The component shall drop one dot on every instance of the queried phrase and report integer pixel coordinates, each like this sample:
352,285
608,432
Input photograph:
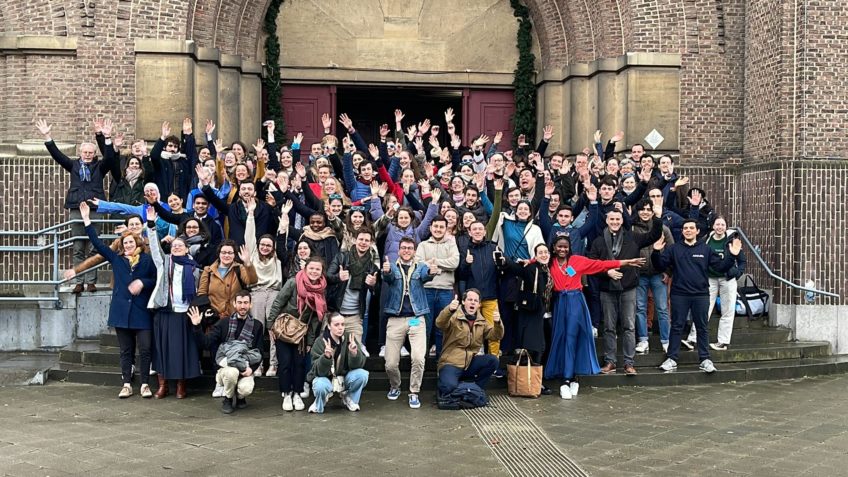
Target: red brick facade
762,101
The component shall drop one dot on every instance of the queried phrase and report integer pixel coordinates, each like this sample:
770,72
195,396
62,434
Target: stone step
685,375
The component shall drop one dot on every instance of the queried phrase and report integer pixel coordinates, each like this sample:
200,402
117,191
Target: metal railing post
58,302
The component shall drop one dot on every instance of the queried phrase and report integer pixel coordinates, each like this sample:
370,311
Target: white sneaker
313,409
383,351
259,371
432,352
298,402
305,393
272,371
349,404
642,347
565,391
718,346
665,347
365,352
404,352
481,352
690,345
707,366
287,403
594,332
152,372
669,365
574,386
218,392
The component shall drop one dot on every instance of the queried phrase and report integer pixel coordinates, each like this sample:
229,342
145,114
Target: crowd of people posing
279,262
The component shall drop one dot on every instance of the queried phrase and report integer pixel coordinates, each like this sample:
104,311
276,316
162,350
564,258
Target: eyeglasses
191,227
654,196
407,248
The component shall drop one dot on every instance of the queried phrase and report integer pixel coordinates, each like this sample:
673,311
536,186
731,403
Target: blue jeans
660,292
480,370
355,381
437,300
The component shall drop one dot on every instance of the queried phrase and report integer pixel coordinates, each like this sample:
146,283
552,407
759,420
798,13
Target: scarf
326,233
194,244
311,295
188,286
358,267
133,259
614,249
84,172
246,334
132,175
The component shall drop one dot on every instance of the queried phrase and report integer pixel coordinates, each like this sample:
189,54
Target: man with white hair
87,174
151,194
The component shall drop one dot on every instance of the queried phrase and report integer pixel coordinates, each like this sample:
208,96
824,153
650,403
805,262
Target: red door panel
490,111
302,110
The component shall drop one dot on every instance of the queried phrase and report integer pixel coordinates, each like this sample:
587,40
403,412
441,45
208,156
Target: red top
582,266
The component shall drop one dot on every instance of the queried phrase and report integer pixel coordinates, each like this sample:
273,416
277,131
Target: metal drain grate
518,443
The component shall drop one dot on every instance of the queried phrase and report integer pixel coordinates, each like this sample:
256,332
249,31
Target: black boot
241,403
227,406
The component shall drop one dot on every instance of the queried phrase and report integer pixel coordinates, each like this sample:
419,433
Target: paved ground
764,428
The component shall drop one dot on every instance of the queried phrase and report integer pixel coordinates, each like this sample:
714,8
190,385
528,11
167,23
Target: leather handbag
289,329
524,380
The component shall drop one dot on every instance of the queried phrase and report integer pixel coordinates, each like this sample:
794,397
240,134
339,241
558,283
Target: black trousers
290,369
128,340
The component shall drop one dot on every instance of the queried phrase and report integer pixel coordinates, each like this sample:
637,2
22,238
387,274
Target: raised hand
424,126
681,182
118,140
219,146
499,184
434,130
372,149
618,136
150,214
98,125
419,144
301,170
498,137
384,131
194,315
260,145
384,187
210,126
454,304
695,198
250,205
107,127
187,126
346,142
509,170
298,138
329,351
549,188
346,121
326,121
371,279
344,275
244,255
375,188
287,207
469,259
591,192
411,131
449,116
547,133
522,140
436,194
456,141
735,246
43,128
202,174
387,267
659,244
399,116
351,345
597,136
85,210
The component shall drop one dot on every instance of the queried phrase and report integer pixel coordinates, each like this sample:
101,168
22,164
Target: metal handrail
768,270
55,245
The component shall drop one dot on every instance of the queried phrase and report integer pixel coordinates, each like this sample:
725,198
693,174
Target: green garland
525,88
271,82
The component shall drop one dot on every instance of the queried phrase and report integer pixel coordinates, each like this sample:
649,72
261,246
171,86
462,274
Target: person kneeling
238,339
464,331
337,366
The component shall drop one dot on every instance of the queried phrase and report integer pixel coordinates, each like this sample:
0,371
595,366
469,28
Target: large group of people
293,264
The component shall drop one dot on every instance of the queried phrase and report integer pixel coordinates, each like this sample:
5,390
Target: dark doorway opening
370,107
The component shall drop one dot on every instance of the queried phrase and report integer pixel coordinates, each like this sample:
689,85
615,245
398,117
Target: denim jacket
394,281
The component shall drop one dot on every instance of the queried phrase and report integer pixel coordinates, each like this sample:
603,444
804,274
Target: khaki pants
489,308
231,380
353,324
263,299
396,330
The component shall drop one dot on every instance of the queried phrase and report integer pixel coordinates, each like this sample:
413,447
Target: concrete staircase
758,352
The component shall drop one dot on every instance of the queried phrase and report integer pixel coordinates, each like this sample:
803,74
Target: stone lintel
38,45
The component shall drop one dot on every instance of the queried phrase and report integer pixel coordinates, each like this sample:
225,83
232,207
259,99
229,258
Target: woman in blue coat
134,279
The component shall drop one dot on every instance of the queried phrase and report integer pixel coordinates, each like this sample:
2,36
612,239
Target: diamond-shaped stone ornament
654,138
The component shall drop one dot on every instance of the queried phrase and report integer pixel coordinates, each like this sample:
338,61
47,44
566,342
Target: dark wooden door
488,111
302,110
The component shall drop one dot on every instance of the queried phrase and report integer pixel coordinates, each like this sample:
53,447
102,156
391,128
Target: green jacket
286,302
322,366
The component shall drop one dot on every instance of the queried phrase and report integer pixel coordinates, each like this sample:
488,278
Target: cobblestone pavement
771,429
